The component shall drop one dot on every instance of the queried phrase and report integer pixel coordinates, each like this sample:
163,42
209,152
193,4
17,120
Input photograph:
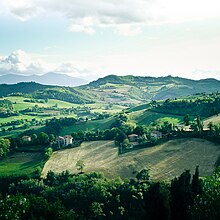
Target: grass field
215,119
89,125
164,161
20,104
20,163
147,117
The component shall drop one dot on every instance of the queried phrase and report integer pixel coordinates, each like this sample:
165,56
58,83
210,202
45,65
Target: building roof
132,135
68,136
26,137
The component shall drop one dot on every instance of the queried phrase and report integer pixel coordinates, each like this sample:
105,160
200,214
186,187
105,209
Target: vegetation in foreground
92,196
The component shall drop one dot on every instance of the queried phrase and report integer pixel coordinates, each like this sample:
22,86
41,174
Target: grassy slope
89,125
20,163
215,119
165,161
147,117
21,105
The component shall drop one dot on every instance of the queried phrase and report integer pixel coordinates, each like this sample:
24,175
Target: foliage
80,165
143,175
48,152
92,196
4,147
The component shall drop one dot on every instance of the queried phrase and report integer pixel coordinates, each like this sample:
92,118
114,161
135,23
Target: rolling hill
165,161
133,89
125,90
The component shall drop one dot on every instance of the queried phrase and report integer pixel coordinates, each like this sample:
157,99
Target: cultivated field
164,161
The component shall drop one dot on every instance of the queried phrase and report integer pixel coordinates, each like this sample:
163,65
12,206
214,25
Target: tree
186,120
43,138
4,147
48,152
196,183
143,175
157,200
139,130
80,165
210,126
181,196
199,123
120,137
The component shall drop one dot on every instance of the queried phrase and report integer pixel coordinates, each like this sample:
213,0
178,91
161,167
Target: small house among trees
156,134
26,138
133,137
65,140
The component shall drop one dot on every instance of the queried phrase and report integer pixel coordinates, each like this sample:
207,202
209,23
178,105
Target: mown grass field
147,117
20,104
20,163
214,119
164,161
89,125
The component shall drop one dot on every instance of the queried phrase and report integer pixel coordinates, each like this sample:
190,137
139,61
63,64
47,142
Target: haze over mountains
50,78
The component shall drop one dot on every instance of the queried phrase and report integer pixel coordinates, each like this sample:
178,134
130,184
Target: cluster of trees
7,109
36,139
64,94
4,147
92,196
54,126
204,105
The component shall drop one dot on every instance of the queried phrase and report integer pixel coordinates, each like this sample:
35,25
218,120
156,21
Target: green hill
134,89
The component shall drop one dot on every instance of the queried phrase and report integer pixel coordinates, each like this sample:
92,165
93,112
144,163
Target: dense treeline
92,196
203,105
7,109
63,94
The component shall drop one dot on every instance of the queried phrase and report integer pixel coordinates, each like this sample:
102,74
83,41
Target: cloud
76,69
22,63
82,29
126,17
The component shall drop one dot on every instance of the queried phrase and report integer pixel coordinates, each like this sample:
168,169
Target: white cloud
127,17
22,63
82,29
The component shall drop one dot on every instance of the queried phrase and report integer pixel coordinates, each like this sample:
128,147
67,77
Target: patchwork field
164,161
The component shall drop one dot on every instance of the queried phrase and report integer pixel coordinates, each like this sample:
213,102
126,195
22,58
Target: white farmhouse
65,140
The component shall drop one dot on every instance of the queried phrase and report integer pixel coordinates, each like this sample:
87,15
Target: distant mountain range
51,78
123,90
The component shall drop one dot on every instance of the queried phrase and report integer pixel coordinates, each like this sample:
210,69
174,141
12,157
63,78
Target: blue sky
91,39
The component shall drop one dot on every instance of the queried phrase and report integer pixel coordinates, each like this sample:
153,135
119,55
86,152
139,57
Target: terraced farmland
164,161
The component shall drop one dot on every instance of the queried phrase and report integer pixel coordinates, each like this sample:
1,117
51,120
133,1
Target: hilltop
137,88
126,90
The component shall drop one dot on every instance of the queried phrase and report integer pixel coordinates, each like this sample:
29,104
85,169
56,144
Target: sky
91,39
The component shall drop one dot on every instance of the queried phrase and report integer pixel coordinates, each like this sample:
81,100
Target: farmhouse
133,137
156,134
65,140
26,138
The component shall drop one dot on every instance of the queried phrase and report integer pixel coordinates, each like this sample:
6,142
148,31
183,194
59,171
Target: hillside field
20,163
165,161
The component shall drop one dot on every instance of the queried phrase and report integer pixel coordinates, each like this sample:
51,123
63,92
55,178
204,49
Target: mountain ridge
51,78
